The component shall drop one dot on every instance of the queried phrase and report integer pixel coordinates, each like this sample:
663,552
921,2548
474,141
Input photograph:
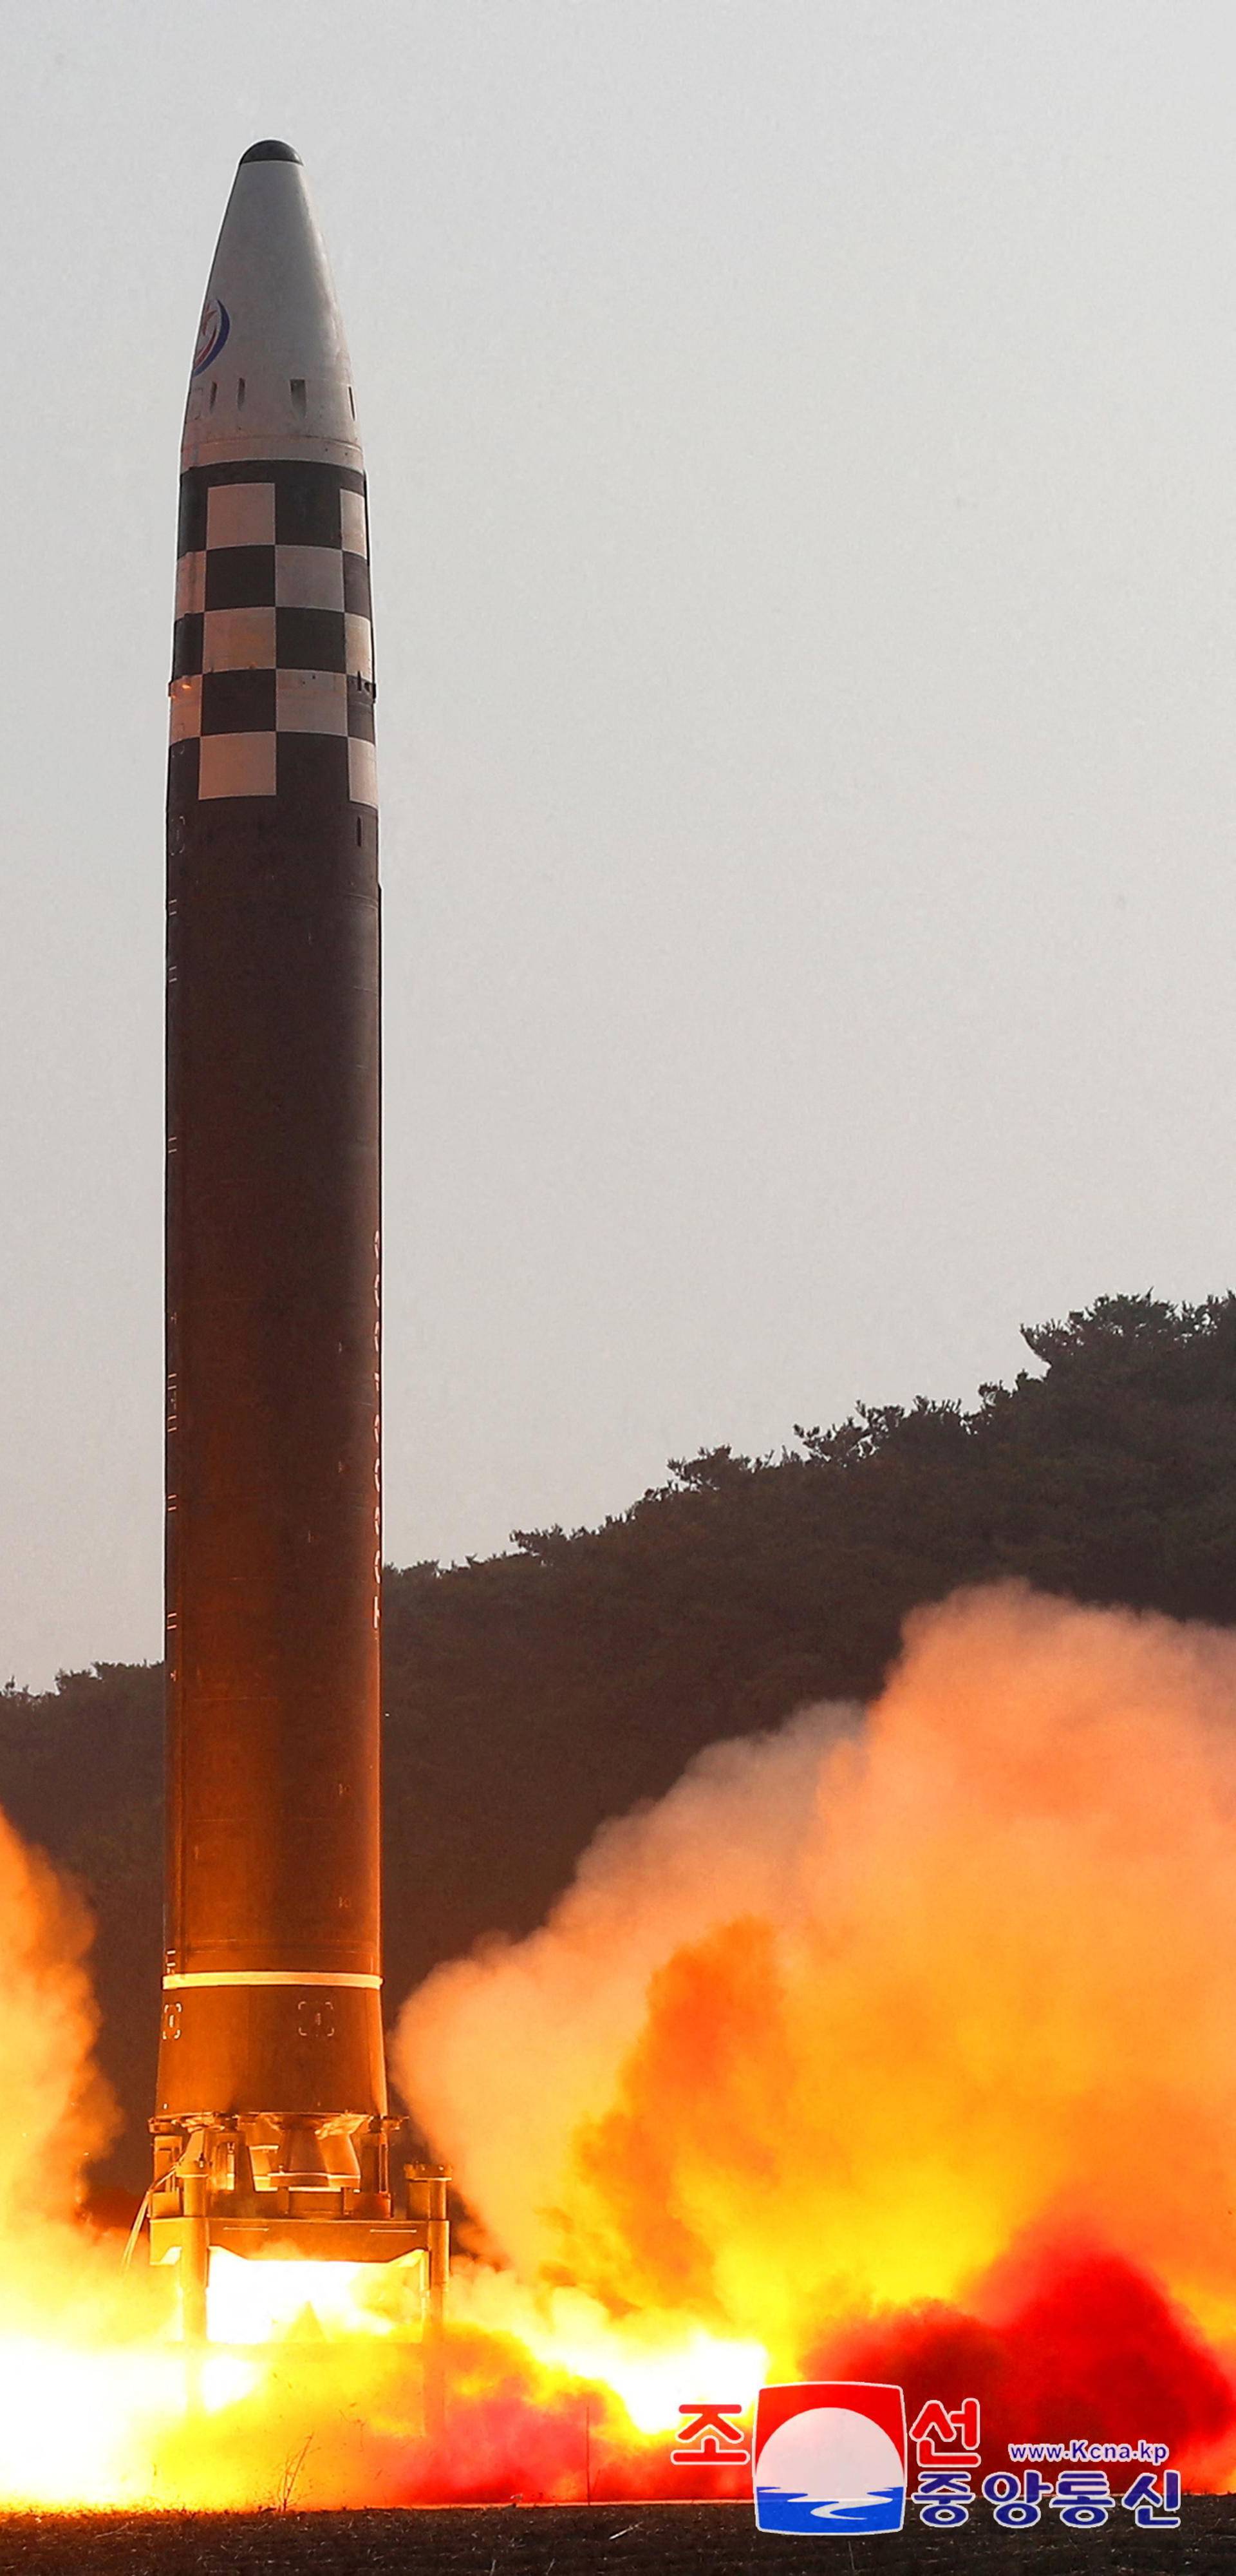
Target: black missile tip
269,152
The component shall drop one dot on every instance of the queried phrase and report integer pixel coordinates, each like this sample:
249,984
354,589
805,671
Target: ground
572,2540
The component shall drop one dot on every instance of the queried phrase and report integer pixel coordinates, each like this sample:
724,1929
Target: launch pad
263,2187
258,2185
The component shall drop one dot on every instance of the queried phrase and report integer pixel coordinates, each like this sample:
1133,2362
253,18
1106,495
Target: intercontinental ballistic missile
272,2129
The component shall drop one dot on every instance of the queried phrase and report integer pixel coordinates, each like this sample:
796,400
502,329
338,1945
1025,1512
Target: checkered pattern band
273,636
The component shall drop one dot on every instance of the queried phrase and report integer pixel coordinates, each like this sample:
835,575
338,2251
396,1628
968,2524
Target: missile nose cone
271,375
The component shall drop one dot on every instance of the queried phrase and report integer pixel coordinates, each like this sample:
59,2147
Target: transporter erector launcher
272,2130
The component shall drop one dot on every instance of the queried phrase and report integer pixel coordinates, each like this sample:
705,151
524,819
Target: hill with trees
531,1695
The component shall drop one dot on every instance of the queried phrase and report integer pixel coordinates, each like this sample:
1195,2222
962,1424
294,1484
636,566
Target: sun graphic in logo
212,331
830,2455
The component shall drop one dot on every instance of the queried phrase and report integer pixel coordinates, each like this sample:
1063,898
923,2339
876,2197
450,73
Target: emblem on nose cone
212,331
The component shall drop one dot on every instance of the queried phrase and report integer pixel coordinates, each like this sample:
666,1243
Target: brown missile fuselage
273,1683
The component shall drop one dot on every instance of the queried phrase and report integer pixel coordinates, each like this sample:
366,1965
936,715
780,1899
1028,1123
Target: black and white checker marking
273,637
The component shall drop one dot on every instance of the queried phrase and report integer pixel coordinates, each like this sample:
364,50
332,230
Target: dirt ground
572,2540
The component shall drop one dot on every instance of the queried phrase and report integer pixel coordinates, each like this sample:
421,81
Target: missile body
271,2116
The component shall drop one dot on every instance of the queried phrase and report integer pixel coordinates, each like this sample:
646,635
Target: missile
272,2129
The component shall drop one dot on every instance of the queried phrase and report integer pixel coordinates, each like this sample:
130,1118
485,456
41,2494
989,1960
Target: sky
802,455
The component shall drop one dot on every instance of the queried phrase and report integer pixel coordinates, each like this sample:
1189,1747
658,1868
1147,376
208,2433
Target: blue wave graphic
777,2510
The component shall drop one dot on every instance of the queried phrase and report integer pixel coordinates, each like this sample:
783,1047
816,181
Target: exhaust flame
897,2046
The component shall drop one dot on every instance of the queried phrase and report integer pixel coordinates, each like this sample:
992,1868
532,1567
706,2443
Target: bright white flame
80,2426
222,2381
258,2301
654,2363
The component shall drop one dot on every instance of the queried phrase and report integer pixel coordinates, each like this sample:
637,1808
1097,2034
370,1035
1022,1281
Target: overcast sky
802,447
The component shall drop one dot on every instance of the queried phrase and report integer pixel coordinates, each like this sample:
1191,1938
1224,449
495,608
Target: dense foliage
532,1694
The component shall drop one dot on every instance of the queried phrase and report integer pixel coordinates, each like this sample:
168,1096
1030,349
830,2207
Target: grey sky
801,443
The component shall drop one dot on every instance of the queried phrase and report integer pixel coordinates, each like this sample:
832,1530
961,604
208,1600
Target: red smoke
1071,2341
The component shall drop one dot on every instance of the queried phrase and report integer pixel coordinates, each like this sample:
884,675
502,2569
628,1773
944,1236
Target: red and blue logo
212,331
830,2455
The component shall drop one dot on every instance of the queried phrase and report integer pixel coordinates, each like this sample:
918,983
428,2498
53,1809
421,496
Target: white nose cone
271,375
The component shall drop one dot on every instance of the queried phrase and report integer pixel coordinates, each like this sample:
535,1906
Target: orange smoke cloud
508,2054
851,2012
62,2113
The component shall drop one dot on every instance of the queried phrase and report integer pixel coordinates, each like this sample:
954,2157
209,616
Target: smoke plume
61,2113
859,2008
